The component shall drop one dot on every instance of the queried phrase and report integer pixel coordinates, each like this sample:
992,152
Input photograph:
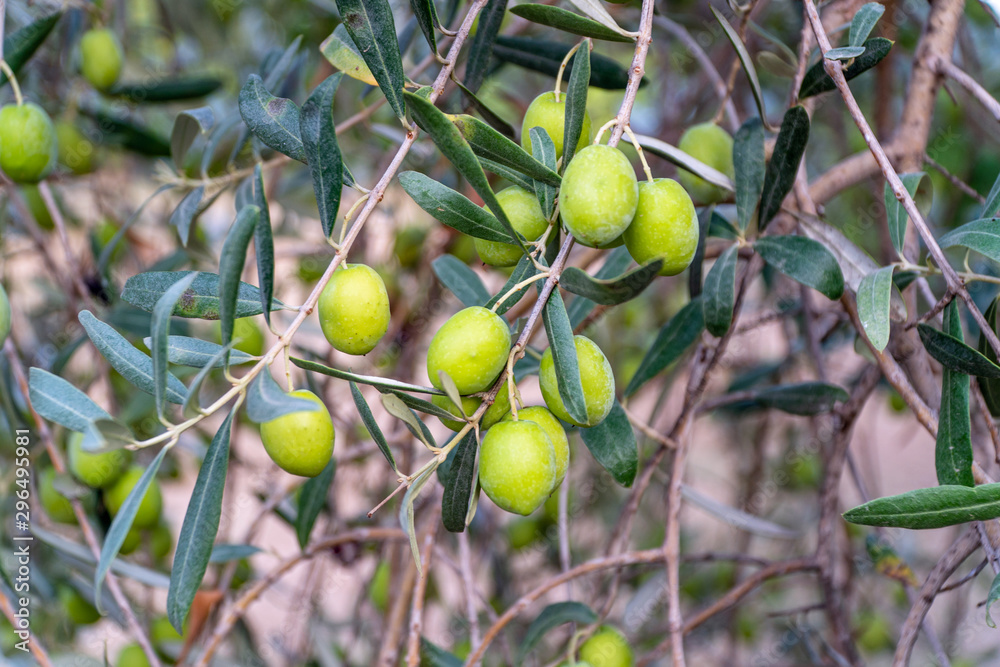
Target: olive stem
642,155
604,128
563,65
519,286
13,81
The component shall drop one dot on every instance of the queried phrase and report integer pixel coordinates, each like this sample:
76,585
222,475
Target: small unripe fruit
95,470
525,215
607,648
36,206
598,195
378,590
249,337
517,466
27,142
708,143
665,226
161,541
149,509
4,315
78,609
133,538
101,58
470,404
132,656
553,429
56,505
596,376
354,309
301,443
165,639
471,347
546,113
75,151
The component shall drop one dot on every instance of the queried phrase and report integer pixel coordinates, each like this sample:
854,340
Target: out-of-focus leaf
427,19
188,126
674,338
432,655
992,206
745,61
167,90
546,57
806,398
266,401
373,30
567,21
461,280
406,512
319,137
874,294
681,159
452,208
552,617
992,597
784,164
312,499
719,294
817,81
20,45
185,213
737,518
612,443
953,450
990,387
803,260
481,49
382,384
934,507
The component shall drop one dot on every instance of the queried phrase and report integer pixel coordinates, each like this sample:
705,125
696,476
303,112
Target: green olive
75,150
517,466
132,656
101,58
4,315
708,143
98,470
596,376
525,215
161,541
607,648
470,404
78,609
56,505
354,309
133,538
148,514
166,640
301,443
598,195
27,142
248,336
553,429
665,226
471,347
36,206
546,113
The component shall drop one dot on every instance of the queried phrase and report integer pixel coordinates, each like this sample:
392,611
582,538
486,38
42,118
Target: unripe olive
4,315
132,656
75,151
525,215
517,466
546,113
553,429
36,206
249,337
101,58
665,226
470,404
607,648
708,143
598,195
133,538
56,505
596,376
471,347
354,309
27,142
95,470
378,590
78,609
149,509
301,443
165,639
161,541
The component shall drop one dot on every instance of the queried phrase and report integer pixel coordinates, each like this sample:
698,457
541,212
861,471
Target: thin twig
949,69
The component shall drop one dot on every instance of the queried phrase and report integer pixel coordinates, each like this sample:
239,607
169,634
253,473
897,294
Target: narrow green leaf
133,365
992,597
492,117
172,89
266,401
119,127
452,208
917,183
674,338
20,45
341,52
784,164
719,294
616,262
982,235
745,61
748,161
201,300
695,271
576,102
992,206
803,260
525,269
481,50
806,398
273,120
369,421
817,81
595,9
544,150
371,26
461,280
382,384
105,434
160,330
934,507
989,386
231,262
108,251
453,145
613,445
955,355
503,171
122,522
610,292
567,21
563,344
319,137
192,405
186,351
427,19
226,553
406,511
263,242
488,143
59,401
188,126
863,22
953,451
420,404
874,294
312,500
546,56
460,480
844,53
432,655
201,524
552,617
185,213
683,160
396,406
